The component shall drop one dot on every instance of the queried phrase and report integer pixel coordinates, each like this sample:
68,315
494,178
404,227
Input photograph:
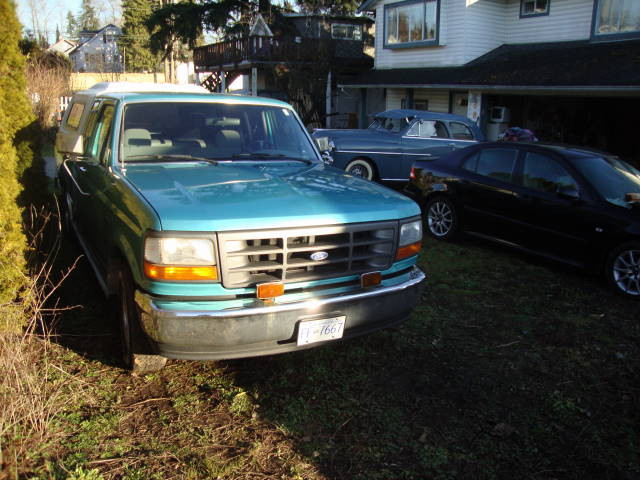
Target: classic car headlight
180,259
410,239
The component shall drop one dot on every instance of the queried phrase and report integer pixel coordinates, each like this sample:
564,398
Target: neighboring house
567,69
63,46
97,51
268,52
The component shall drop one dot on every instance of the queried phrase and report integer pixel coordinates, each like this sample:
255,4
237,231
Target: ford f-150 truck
216,226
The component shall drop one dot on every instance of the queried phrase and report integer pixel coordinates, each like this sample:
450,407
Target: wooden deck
259,50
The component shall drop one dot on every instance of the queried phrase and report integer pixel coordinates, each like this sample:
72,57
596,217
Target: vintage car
386,150
566,203
221,233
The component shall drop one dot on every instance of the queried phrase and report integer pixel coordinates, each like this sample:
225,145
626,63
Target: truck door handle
82,169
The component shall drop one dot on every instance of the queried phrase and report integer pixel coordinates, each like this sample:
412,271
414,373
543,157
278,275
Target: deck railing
277,49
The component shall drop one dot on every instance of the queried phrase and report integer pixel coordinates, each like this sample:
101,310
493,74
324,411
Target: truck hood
252,195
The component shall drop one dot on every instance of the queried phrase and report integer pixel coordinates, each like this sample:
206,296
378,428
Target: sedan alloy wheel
626,271
441,218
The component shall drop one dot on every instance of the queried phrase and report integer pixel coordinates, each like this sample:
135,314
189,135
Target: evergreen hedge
15,156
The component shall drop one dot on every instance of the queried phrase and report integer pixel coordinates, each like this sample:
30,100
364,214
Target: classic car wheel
441,218
136,353
623,269
360,168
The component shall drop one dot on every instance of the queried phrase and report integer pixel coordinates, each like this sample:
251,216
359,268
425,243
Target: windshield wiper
270,156
170,157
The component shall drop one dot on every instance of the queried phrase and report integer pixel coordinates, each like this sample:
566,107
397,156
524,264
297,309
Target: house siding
438,99
484,27
471,28
567,20
450,51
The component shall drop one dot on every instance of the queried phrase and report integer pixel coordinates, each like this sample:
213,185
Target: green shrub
15,115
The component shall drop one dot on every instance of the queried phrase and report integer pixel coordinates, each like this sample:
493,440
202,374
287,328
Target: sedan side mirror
570,192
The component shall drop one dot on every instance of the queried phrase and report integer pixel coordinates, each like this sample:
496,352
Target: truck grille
248,258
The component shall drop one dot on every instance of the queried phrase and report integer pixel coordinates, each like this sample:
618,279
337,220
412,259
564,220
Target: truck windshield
611,177
165,131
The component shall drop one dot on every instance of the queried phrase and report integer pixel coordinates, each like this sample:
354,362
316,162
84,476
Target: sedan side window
460,131
544,174
496,163
414,131
431,129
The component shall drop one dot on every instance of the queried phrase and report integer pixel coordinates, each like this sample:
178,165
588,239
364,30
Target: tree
88,19
135,41
72,26
15,115
328,7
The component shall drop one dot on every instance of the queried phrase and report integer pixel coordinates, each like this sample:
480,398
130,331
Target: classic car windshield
393,125
219,131
611,177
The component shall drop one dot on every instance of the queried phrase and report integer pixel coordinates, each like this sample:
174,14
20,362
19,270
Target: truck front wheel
137,354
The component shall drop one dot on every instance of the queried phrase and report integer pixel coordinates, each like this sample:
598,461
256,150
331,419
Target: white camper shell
69,139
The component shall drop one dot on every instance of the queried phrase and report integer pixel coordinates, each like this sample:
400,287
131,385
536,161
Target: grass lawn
510,368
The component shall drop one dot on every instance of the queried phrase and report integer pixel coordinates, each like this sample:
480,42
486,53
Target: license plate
312,331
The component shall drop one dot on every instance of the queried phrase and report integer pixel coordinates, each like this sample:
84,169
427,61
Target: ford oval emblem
319,256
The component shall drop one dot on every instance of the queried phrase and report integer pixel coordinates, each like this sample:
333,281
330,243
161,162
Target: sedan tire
360,167
623,269
441,218
137,354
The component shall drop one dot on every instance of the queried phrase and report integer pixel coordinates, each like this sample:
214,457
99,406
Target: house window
411,23
617,17
531,8
340,31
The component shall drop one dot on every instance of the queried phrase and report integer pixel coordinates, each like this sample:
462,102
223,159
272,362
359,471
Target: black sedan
570,204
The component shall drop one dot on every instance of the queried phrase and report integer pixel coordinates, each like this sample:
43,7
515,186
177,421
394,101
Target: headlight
180,259
410,239
410,232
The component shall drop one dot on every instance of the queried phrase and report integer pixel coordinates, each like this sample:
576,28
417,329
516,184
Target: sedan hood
252,195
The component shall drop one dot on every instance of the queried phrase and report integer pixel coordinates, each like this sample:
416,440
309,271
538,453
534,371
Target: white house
97,51
63,46
559,67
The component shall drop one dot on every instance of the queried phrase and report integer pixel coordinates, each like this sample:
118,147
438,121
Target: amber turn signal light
180,273
408,250
269,290
370,279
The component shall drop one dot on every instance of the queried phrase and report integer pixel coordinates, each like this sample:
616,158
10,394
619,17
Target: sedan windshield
172,131
393,125
611,177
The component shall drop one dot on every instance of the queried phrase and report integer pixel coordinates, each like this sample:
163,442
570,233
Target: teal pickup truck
214,223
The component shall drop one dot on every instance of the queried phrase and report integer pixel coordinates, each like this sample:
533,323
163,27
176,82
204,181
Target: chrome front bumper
269,329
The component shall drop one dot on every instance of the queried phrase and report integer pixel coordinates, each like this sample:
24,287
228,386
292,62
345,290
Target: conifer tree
15,115
88,18
72,26
135,36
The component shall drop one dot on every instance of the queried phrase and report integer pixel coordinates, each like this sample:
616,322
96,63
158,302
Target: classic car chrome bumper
264,330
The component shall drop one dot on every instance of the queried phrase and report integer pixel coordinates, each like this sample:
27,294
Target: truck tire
137,355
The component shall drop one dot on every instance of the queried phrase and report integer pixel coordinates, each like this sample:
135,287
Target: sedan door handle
452,144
